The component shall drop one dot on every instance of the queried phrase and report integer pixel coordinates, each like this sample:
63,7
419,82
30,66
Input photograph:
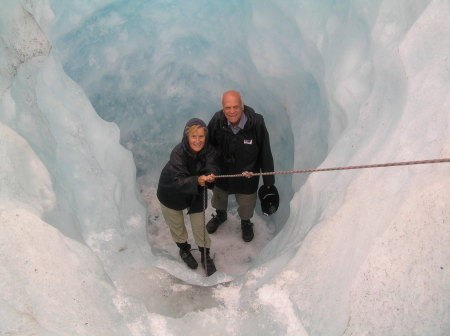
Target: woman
192,165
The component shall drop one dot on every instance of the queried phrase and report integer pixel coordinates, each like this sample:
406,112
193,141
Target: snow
94,95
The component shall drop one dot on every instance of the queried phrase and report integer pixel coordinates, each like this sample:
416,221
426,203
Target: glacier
94,94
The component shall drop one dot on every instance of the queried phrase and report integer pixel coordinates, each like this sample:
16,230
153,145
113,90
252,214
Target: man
241,135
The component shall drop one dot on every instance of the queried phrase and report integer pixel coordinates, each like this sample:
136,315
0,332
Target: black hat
270,199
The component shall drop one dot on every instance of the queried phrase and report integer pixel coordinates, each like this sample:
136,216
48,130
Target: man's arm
265,155
212,128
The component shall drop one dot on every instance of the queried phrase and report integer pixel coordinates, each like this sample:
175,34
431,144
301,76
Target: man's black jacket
248,150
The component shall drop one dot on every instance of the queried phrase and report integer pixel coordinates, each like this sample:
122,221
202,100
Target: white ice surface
92,92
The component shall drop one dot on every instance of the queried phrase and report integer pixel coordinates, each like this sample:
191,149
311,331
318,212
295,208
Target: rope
250,174
204,229
391,164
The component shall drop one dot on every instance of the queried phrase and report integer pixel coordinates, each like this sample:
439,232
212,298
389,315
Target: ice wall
350,82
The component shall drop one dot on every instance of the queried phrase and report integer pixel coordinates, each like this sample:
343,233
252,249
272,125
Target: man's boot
209,265
218,218
247,230
185,254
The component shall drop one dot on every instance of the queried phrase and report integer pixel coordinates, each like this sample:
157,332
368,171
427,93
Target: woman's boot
186,255
207,262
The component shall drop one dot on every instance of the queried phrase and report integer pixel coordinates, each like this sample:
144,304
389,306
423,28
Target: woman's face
197,140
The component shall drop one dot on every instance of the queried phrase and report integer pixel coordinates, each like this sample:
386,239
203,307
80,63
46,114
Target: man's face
232,108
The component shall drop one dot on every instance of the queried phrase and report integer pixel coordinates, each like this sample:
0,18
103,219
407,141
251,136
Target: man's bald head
232,106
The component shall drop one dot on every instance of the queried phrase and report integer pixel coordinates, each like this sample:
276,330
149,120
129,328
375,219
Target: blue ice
94,94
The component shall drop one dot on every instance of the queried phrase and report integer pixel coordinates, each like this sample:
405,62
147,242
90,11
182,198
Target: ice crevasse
93,95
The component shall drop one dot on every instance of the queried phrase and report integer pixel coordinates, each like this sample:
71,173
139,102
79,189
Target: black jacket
248,150
178,186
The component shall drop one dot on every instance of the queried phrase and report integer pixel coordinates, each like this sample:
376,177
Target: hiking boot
188,259
247,230
209,267
218,218
185,254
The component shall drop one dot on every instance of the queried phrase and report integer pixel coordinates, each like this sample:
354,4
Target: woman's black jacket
248,150
178,186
